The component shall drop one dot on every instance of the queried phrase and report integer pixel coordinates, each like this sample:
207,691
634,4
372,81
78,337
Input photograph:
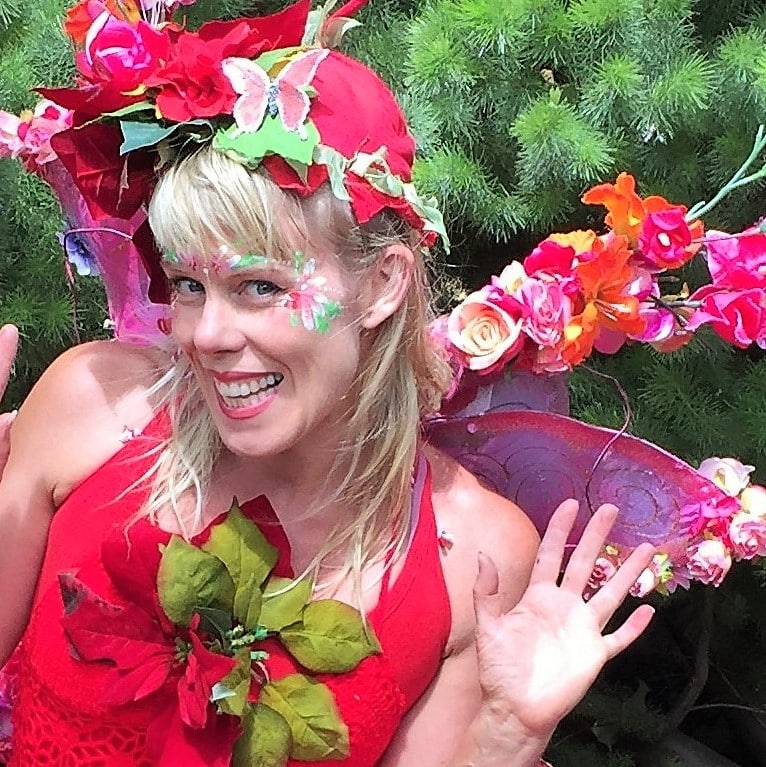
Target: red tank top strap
413,616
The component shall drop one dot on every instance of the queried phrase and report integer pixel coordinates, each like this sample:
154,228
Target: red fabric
59,720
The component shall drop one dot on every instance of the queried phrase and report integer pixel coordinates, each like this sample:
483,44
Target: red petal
203,670
170,743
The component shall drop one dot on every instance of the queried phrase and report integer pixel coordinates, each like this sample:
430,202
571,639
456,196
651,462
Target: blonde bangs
215,201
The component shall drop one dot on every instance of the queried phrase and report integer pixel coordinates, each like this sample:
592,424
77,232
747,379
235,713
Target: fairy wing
292,98
252,84
111,242
539,459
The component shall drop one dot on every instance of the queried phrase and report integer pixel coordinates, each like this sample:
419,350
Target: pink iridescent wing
252,84
110,241
291,98
539,459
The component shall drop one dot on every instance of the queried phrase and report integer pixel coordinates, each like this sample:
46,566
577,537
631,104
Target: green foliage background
518,106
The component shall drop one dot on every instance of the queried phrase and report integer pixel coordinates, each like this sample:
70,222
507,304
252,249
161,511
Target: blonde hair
207,200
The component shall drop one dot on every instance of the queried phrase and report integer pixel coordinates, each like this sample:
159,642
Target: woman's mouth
247,393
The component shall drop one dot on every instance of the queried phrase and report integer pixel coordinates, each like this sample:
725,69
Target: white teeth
242,393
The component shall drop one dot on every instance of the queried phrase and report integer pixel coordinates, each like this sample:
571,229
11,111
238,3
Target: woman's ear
388,281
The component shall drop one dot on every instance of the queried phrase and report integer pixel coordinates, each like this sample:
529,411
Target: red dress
59,719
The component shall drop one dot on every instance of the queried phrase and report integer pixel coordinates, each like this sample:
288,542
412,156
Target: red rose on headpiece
120,54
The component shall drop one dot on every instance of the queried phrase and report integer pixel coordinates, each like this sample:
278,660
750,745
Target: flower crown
266,91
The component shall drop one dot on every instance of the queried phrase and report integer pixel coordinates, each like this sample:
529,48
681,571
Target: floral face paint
221,262
308,299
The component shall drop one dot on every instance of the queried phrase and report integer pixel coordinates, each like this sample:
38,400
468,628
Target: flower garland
190,636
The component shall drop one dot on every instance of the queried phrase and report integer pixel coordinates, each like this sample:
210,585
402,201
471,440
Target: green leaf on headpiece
282,605
271,138
136,135
236,684
336,165
142,106
318,732
267,61
188,579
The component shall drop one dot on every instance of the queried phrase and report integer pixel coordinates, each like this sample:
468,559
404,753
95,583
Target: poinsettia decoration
191,636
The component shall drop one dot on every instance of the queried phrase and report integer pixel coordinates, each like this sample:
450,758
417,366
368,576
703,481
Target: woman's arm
69,424
497,702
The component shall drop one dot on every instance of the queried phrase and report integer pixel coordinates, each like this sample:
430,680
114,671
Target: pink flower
552,261
728,473
747,533
120,54
737,261
665,240
645,583
548,310
710,513
603,570
737,316
753,500
488,334
709,561
29,136
48,119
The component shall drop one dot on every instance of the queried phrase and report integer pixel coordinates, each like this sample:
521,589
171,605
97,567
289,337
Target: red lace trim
47,733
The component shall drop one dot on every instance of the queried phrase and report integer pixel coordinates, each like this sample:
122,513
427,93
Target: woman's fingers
486,599
633,627
9,342
612,594
550,554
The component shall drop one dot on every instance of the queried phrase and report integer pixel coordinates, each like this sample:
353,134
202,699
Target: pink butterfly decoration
284,96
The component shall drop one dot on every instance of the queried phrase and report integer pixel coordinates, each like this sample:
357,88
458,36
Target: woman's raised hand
9,342
539,659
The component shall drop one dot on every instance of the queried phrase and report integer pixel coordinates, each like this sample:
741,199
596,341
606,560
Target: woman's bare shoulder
73,418
471,519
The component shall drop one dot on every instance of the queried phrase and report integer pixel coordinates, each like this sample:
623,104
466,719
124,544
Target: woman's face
275,346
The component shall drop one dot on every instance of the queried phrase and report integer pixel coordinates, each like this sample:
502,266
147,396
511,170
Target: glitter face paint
308,300
220,263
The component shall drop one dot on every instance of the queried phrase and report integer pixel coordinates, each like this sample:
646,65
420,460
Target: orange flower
626,209
605,280
604,299
81,16
579,336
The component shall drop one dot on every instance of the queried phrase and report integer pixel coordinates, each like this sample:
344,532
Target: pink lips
240,413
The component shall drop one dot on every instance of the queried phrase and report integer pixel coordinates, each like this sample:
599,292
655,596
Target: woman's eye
262,288
185,286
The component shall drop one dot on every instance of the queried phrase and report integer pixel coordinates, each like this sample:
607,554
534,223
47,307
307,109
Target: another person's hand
538,660
9,342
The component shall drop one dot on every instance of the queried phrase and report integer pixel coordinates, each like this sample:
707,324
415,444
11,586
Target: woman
299,370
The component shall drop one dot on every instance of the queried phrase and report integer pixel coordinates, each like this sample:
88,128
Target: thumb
486,599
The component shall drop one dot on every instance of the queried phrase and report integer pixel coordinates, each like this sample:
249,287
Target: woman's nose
218,327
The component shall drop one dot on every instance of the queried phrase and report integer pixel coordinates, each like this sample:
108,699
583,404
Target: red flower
149,655
193,84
